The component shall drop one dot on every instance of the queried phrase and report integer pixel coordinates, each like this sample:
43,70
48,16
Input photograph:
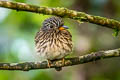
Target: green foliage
20,1
44,76
116,32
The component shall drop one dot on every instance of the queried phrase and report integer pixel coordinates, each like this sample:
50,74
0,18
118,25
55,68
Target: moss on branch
62,12
26,66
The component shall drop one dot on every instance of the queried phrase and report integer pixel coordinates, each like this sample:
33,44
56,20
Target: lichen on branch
94,56
62,12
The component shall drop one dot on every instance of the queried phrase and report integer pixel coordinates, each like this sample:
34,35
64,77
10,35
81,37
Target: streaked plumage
51,42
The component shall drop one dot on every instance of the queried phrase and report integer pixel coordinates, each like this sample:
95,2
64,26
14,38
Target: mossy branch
62,12
26,66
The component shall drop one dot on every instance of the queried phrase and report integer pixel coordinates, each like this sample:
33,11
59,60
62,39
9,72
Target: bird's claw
63,61
49,63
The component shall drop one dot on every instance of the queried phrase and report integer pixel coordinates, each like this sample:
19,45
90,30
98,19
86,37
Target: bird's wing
37,37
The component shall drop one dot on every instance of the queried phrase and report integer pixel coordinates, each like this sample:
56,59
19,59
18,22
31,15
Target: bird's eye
51,26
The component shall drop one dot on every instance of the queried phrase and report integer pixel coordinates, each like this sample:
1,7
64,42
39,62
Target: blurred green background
18,29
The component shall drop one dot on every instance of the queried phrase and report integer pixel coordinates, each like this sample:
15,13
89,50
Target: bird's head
54,23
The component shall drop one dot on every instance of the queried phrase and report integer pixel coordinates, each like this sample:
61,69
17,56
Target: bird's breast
54,46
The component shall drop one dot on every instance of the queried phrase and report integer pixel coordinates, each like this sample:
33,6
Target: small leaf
116,31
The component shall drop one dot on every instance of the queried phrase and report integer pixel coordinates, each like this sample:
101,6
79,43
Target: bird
53,40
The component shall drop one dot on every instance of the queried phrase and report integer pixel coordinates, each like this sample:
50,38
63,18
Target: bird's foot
63,61
57,68
49,63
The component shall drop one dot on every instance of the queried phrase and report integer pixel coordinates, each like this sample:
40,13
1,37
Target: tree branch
26,66
62,12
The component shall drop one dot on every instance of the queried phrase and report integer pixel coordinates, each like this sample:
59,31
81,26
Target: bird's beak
63,28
